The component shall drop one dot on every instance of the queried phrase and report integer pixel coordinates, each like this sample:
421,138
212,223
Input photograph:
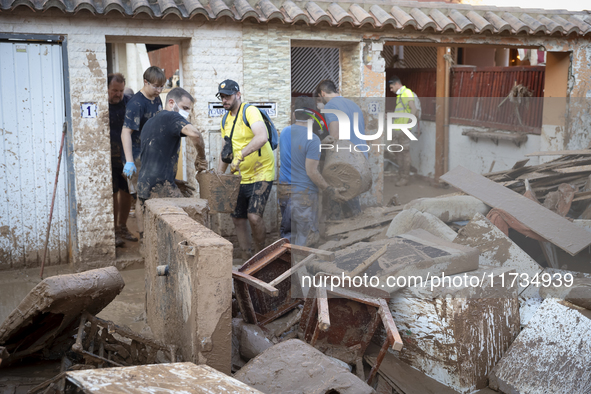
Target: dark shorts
119,181
252,198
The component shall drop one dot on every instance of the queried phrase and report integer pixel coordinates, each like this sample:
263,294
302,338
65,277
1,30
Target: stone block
411,219
551,355
191,307
293,366
457,333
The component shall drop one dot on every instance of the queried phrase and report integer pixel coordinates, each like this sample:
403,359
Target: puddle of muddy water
126,309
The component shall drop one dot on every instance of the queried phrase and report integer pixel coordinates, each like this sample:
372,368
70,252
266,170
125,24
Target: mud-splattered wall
191,307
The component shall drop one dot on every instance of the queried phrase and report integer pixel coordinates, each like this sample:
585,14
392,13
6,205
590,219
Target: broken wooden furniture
263,284
161,378
44,323
417,253
98,346
343,325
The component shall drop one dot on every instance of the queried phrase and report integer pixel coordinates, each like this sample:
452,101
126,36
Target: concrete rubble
551,355
294,367
498,250
456,334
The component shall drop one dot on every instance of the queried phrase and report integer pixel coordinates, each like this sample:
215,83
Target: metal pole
57,173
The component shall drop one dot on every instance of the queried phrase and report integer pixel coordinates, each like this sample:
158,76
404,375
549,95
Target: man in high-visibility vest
405,103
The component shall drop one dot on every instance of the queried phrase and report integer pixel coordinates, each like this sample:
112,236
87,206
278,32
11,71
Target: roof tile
269,10
423,21
551,26
423,16
461,21
568,27
382,16
517,25
402,17
499,23
481,24
361,15
533,24
294,12
442,21
339,14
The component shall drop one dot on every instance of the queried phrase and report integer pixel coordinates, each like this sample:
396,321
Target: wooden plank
586,152
256,283
580,196
326,255
519,164
570,170
294,268
352,238
440,113
393,335
323,316
369,261
359,224
540,220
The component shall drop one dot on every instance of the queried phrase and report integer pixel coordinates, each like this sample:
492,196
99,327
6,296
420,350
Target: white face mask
398,91
181,111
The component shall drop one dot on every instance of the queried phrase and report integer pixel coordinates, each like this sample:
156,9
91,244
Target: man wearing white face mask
160,143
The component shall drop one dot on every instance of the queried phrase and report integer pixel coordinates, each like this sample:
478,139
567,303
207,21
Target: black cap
228,87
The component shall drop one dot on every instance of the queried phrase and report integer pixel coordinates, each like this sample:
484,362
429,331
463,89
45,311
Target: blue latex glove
129,169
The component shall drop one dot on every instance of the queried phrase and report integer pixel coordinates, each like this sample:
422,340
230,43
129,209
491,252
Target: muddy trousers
299,218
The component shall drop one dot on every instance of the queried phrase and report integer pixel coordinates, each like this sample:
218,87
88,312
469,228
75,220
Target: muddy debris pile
56,321
523,250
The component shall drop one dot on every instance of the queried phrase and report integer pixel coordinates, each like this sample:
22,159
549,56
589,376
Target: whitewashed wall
476,156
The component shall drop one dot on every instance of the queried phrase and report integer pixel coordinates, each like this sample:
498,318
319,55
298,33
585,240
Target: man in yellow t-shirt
253,158
405,103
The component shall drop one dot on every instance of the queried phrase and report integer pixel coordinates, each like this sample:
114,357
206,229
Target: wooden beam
440,153
570,170
369,261
293,269
256,283
323,315
326,255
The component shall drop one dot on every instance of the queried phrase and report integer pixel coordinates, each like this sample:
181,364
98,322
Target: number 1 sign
88,110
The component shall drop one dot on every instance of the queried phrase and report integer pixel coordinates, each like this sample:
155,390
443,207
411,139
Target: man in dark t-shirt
141,107
160,141
121,197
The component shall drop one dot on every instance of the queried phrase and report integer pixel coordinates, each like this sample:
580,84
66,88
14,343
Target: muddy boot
124,233
404,170
119,242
